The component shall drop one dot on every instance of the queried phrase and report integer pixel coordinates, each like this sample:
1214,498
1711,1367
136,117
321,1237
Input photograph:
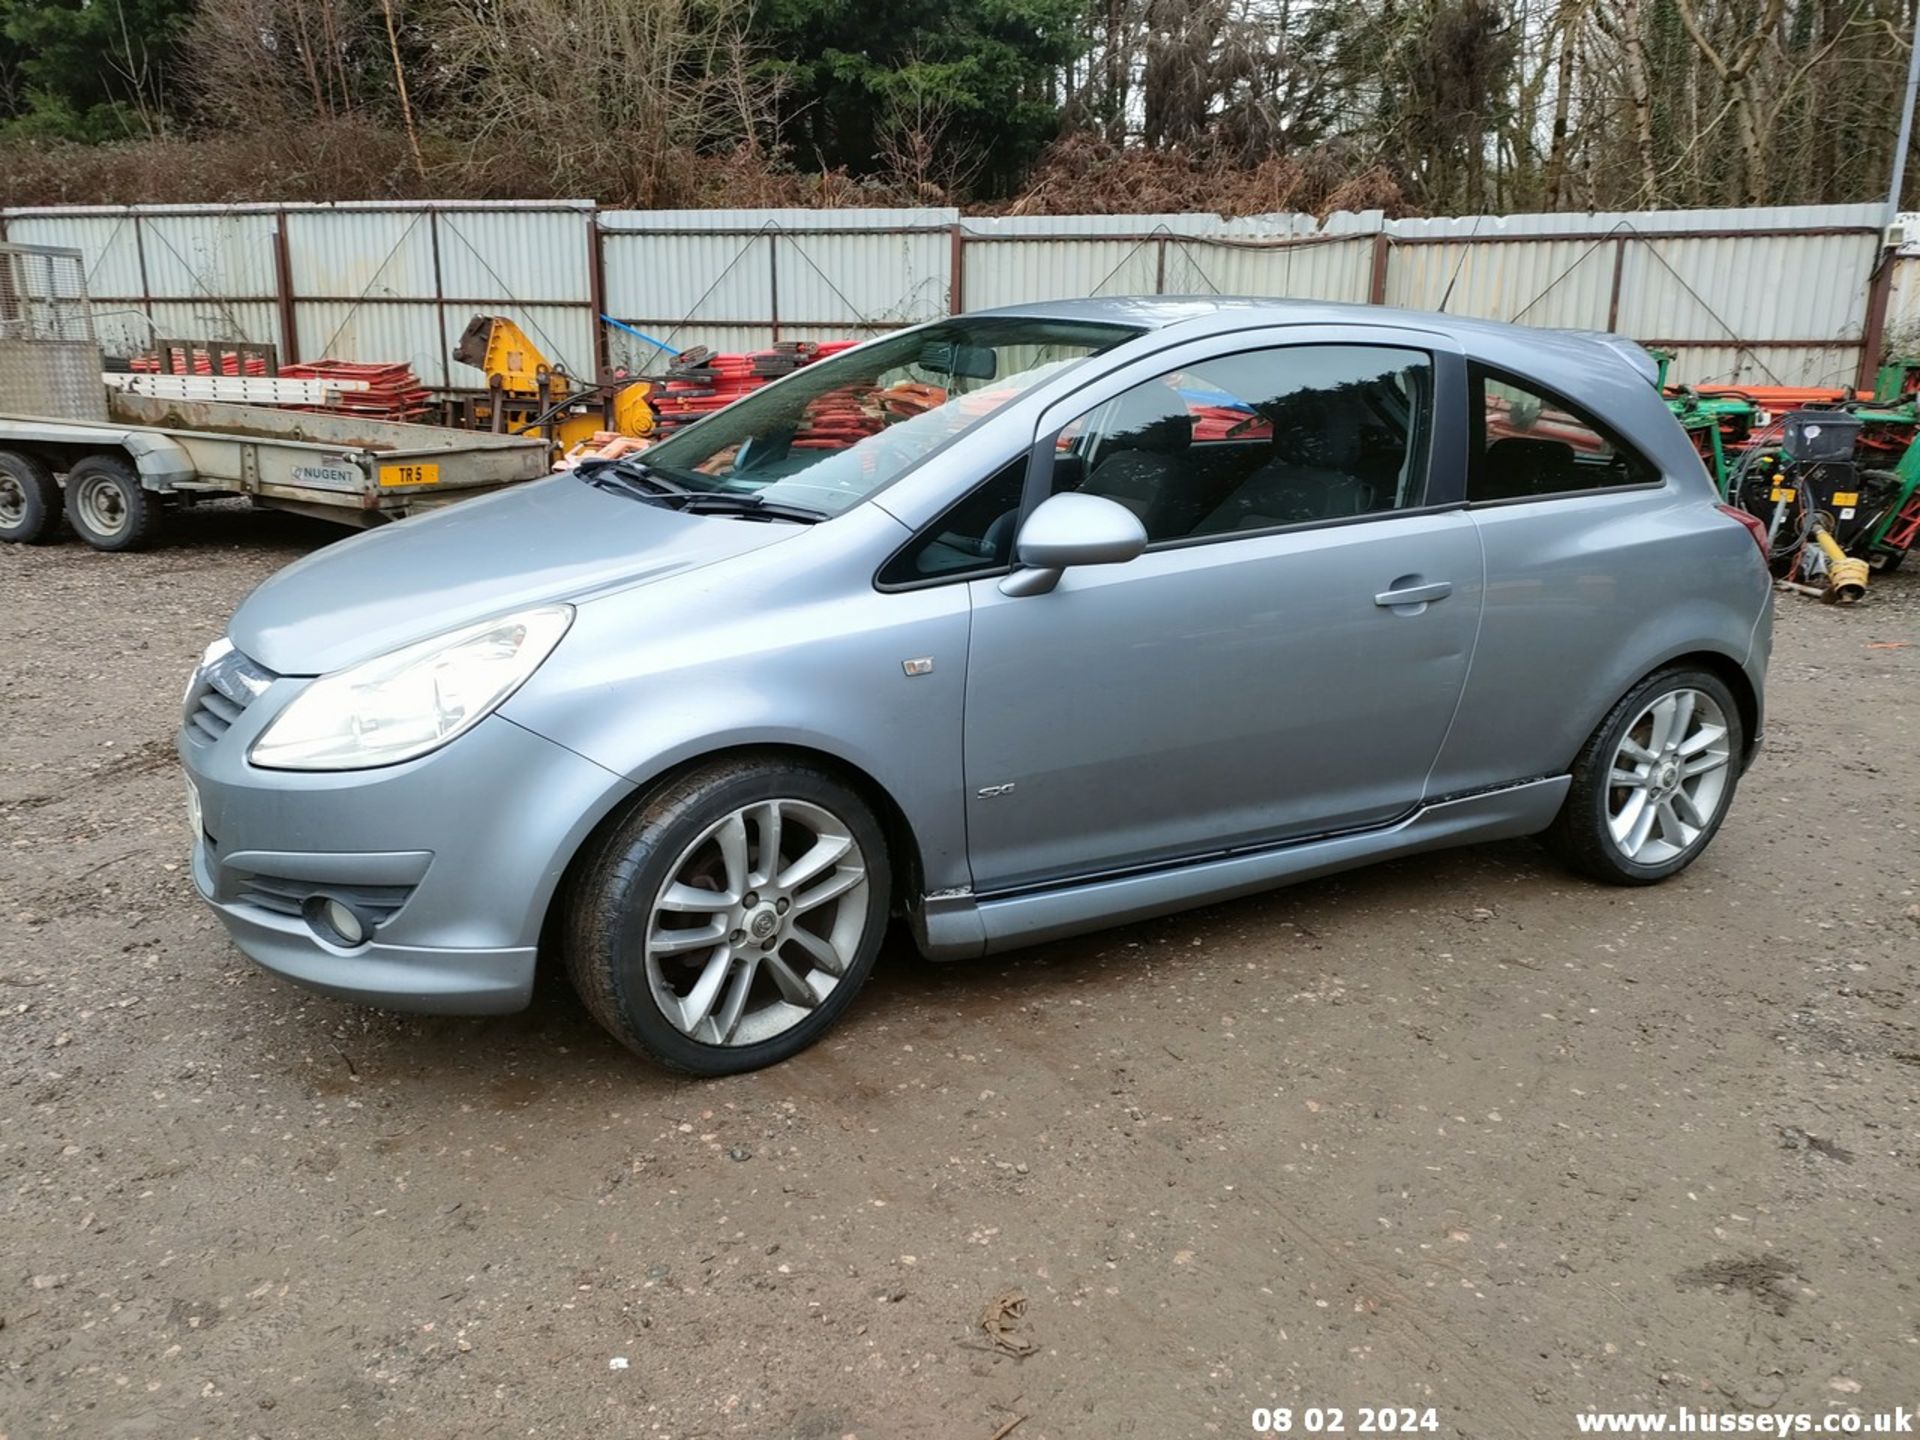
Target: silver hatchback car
1013,625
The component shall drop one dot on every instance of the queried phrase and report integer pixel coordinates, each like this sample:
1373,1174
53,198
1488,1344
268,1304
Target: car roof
1201,315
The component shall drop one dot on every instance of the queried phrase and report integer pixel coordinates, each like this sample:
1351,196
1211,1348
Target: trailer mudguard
161,461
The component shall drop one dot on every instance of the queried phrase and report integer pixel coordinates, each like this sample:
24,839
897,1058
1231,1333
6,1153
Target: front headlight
410,700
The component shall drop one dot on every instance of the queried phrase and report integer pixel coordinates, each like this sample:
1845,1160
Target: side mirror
1072,529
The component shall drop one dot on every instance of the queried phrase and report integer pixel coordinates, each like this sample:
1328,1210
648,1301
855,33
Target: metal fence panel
107,241
741,278
1763,295
659,280
226,256
1025,258
1019,272
1565,283
347,253
523,255
207,318
1763,364
862,280
1765,287
1341,270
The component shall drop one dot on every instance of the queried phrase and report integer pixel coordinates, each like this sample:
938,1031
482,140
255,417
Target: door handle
1408,593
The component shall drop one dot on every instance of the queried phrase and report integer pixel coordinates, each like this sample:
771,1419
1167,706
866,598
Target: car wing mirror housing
1067,530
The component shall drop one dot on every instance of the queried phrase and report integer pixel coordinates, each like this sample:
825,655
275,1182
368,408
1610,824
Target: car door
1285,657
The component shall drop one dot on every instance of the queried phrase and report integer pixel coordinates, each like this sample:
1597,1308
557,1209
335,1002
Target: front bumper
454,857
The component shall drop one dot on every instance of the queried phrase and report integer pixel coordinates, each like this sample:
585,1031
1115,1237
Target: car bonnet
555,539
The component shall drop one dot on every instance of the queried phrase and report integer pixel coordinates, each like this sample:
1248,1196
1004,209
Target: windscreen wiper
632,477
726,502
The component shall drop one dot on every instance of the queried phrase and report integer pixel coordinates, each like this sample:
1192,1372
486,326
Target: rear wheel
1652,785
728,921
107,505
29,500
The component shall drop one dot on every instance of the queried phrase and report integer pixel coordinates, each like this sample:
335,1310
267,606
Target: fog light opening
336,921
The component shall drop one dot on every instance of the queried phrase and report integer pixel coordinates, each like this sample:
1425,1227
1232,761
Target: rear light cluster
1754,528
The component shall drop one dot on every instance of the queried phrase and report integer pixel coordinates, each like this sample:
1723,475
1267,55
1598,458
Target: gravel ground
1455,1132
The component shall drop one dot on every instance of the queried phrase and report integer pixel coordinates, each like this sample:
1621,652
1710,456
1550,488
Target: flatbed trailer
149,453
114,461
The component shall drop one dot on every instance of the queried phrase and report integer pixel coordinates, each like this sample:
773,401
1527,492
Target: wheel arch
903,846
1723,667
1734,676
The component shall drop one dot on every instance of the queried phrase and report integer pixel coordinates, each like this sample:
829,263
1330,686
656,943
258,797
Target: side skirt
956,926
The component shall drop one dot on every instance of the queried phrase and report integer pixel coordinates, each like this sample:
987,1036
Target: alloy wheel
758,921
1669,777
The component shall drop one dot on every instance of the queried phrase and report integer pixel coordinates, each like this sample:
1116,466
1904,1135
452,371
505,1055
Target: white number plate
195,825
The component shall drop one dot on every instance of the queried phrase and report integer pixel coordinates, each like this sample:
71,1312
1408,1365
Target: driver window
1290,436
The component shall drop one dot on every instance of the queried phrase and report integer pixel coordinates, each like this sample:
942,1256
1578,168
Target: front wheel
1652,785
731,918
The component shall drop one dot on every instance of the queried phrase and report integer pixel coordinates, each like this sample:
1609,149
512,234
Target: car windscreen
846,426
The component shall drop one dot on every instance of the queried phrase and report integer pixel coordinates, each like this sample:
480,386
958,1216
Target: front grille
221,693
379,903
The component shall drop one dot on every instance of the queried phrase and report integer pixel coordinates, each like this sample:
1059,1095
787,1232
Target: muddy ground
1456,1132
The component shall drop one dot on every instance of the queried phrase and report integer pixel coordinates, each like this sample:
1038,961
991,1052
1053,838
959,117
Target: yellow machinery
528,396
1846,576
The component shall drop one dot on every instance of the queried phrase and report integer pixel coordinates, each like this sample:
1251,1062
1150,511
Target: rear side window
974,536
1532,444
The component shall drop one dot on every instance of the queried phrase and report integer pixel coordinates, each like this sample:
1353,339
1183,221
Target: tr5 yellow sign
393,477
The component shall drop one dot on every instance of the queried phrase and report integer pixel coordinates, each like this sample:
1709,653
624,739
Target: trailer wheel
107,505
29,500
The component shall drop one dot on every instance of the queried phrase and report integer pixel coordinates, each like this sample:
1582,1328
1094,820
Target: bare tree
919,153
400,89
1735,66
258,62
611,98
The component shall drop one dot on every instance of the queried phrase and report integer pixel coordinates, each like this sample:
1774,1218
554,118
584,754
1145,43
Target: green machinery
1868,501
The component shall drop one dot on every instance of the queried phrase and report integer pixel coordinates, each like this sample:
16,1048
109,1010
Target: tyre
730,918
1653,784
29,500
108,507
